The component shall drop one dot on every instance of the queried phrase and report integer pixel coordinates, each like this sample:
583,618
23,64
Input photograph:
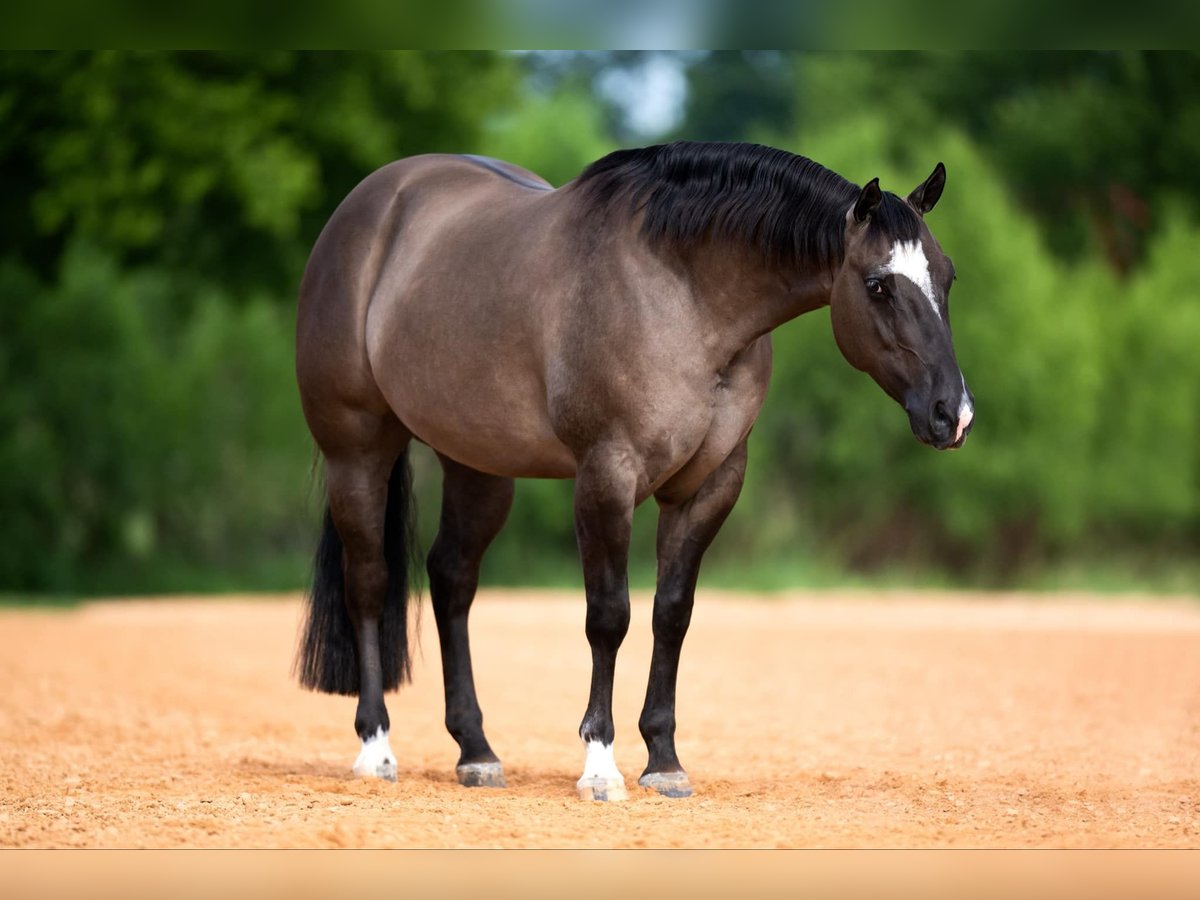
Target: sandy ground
805,720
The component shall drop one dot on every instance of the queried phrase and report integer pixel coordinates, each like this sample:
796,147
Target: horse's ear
925,195
868,199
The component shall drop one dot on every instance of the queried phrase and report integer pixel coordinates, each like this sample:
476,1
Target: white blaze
908,259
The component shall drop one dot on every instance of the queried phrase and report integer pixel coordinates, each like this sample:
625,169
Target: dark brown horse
615,331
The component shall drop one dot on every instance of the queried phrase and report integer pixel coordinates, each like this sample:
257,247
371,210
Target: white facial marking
375,753
600,763
908,259
966,412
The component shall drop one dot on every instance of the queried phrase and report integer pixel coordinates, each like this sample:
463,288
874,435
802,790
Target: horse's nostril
943,422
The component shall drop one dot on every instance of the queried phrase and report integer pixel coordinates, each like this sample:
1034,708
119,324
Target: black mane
791,207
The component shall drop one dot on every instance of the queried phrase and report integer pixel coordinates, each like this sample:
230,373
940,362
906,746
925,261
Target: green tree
156,212
222,166
1092,142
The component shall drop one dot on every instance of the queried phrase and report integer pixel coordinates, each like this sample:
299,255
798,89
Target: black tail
328,658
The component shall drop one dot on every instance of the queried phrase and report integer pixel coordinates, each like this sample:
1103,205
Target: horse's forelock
895,220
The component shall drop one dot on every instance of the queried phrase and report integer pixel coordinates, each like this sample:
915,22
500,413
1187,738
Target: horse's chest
737,399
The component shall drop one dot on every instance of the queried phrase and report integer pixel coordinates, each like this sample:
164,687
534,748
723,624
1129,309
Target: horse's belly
513,446
464,404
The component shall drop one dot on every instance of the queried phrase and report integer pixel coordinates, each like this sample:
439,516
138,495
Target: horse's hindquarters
461,321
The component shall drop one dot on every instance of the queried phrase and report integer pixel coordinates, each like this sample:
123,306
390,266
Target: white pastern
600,763
908,259
966,413
376,756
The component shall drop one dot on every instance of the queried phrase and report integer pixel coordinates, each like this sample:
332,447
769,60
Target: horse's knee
608,621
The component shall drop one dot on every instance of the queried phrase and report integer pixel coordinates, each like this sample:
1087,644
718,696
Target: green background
156,210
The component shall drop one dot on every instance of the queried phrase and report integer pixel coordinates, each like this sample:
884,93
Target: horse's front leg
685,530
605,491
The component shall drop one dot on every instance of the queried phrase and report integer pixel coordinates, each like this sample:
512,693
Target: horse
615,330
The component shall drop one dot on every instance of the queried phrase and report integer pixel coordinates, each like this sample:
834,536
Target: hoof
481,774
669,784
602,789
385,771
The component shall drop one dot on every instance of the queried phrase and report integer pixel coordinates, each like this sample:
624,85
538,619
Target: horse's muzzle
944,426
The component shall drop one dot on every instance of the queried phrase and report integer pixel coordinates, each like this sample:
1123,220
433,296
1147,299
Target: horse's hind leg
474,508
359,479
684,532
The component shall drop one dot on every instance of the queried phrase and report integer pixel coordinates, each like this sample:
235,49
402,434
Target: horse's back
404,200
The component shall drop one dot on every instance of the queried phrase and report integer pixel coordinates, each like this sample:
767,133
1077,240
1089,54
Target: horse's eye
875,287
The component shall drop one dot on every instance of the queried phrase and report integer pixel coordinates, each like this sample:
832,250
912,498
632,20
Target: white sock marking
375,753
601,763
908,259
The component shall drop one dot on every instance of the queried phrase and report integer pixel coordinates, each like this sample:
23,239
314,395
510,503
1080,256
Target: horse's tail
327,660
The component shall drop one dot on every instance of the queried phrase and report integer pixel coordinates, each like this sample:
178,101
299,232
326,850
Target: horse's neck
748,298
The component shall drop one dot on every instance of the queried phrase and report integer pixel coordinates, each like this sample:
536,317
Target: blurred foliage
554,135
218,166
157,209
134,436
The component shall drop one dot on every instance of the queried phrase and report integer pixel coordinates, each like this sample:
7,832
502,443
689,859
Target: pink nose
965,415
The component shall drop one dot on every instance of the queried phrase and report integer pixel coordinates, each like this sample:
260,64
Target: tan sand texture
805,719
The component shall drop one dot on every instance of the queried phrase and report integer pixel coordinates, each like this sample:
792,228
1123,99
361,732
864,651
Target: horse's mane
791,207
